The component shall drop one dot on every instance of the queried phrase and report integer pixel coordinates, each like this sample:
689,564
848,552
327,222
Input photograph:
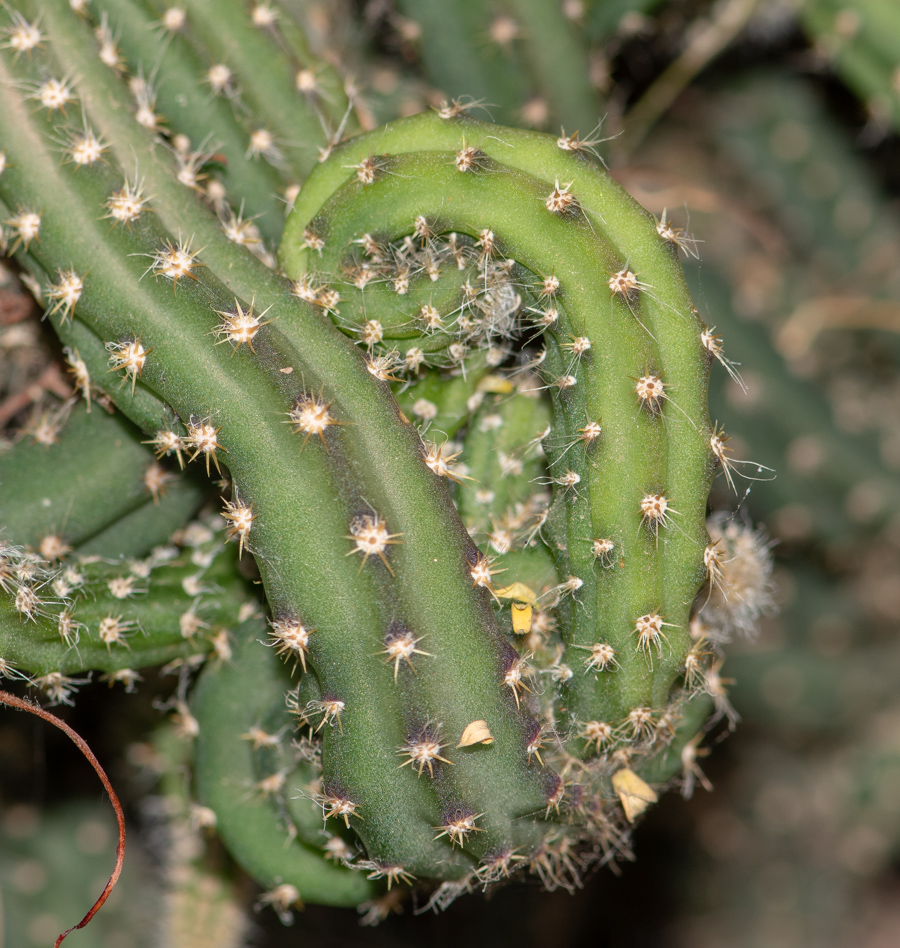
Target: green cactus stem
84,481
244,738
213,403
61,618
520,58
653,447
191,94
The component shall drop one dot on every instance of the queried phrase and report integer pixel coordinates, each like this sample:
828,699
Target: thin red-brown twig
81,744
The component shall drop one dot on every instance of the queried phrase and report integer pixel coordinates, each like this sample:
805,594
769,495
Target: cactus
522,57
503,283
91,579
199,906
83,480
818,684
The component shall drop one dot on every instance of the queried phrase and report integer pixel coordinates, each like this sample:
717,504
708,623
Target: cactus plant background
767,131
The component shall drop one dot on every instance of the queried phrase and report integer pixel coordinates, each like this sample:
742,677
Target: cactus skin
188,103
89,488
307,497
503,502
231,700
64,613
511,56
115,619
88,579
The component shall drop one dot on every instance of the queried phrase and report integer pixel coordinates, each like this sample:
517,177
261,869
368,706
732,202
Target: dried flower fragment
476,732
634,794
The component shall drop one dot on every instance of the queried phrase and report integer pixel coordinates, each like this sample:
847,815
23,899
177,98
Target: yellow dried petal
477,732
496,384
521,618
634,795
518,591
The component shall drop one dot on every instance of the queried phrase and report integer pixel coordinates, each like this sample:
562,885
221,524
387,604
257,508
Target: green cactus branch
507,57
231,700
460,58
82,475
272,76
304,587
89,581
188,98
101,616
491,199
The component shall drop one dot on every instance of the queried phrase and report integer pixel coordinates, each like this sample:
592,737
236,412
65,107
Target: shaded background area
779,153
